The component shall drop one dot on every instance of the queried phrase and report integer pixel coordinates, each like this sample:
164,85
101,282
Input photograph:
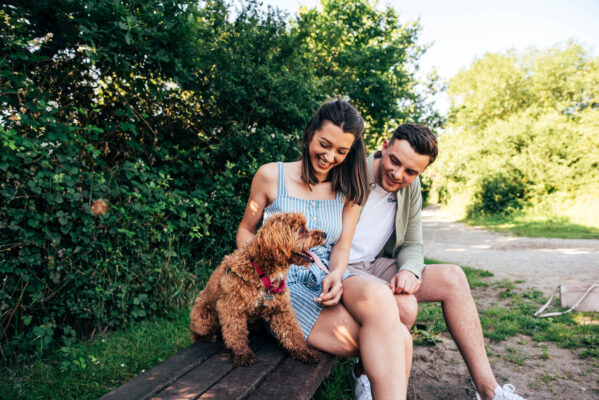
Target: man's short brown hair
420,137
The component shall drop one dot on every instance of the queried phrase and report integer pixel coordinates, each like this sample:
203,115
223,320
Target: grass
524,224
90,369
512,314
560,215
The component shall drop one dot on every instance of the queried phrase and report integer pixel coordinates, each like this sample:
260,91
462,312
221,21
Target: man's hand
332,290
404,282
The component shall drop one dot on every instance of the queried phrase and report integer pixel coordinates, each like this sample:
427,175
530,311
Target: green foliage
366,53
339,384
164,110
426,184
497,193
493,87
78,126
522,132
129,136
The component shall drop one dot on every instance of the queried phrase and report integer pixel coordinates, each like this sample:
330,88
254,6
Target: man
388,245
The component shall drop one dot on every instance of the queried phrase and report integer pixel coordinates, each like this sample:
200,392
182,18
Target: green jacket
405,243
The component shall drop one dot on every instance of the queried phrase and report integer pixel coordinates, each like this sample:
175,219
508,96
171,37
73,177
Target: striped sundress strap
281,190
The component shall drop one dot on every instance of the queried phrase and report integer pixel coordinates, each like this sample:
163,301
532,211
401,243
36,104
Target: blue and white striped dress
305,284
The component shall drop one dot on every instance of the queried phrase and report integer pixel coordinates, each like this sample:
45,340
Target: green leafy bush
539,117
497,193
174,175
163,110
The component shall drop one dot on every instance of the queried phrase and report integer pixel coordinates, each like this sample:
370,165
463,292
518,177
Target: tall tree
368,55
524,119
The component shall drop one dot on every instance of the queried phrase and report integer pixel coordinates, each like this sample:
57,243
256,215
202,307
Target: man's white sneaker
507,392
362,391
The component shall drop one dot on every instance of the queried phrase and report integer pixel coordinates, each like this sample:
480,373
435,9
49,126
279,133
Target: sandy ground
542,263
537,370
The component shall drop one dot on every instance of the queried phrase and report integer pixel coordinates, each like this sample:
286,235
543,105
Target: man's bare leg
447,284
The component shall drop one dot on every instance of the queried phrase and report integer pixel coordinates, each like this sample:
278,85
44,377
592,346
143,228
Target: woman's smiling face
328,148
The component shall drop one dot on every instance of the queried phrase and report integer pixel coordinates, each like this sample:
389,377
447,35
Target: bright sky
462,30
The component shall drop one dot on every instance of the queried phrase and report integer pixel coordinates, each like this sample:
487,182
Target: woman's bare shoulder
265,181
267,173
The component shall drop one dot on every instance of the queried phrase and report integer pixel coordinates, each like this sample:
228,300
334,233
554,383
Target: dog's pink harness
281,287
265,279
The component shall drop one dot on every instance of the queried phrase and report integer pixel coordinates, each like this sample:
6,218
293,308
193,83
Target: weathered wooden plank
205,370
198,380
152,381
204,376
294,379
240,382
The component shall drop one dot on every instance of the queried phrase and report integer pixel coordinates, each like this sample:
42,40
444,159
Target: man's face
399,165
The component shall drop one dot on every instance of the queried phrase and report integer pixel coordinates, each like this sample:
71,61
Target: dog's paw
307,355
243,359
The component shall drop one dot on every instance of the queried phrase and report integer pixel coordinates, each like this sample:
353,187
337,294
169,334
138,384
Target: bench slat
198,380
294,379
152,381
204,376
205,370
241,381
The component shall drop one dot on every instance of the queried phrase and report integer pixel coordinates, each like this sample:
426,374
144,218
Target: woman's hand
332,290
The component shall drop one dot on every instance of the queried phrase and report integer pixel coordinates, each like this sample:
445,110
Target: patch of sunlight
506,226
586,319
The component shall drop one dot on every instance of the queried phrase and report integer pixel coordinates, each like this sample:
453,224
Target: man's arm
410,257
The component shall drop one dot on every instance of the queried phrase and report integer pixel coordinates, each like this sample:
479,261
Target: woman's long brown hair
349,177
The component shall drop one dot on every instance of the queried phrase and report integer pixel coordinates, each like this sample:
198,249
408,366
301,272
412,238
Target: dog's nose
324,235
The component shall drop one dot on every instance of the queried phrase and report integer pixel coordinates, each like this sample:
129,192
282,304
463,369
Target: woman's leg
336,332
368,320
382,270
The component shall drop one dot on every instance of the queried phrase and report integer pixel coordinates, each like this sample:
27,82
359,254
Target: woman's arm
261,194
331,284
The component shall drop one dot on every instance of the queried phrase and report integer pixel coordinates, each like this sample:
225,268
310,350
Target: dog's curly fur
235,295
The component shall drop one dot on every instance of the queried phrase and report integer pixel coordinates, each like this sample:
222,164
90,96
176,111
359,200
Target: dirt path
542,263
537,370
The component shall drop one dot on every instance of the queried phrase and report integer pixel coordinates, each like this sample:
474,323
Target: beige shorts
382,268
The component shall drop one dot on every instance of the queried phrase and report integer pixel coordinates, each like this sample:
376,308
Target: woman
328,185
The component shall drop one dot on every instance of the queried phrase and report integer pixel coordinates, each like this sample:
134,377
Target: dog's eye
302,230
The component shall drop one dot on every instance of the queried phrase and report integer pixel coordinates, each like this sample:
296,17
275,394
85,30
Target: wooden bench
205,371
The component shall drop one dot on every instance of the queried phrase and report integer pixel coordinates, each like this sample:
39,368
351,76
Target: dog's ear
274,241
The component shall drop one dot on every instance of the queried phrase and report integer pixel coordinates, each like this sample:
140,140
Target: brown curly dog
236,293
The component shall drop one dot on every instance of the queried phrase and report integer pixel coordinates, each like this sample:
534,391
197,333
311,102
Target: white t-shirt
375,226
